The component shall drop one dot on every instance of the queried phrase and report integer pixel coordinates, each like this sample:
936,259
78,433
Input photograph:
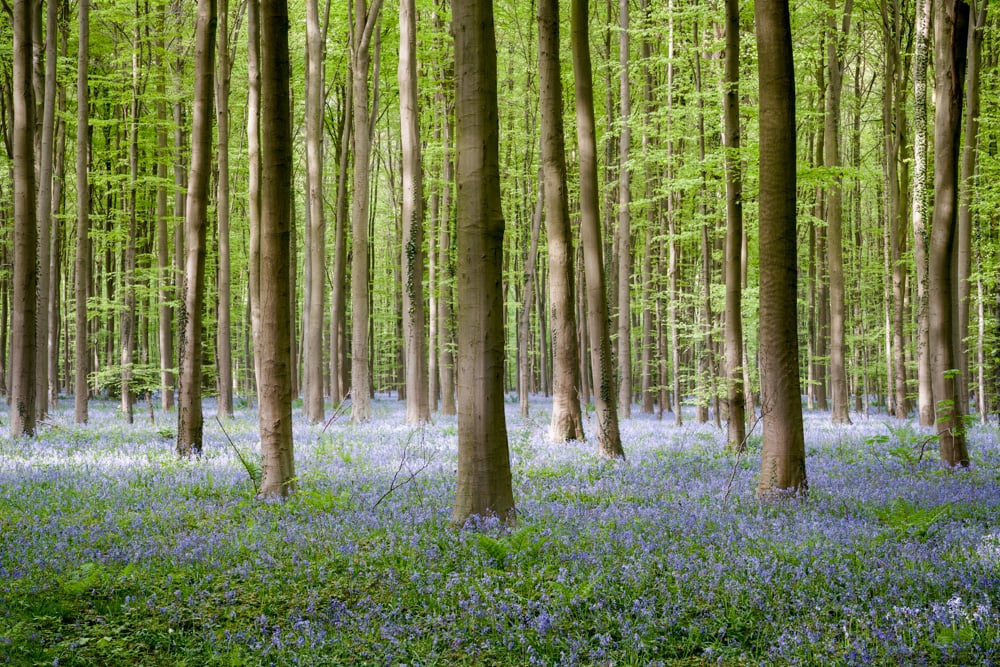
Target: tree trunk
338,318
736,423
783,464
969,154
417,408
81,390
316,248
189,413
527,304
128,325
608,438
44,217
274,341
484,478
624,217
55,257
835,45
361,381
446,272
254,177
951,24
567,421
163,263
23,413
224,360
925,390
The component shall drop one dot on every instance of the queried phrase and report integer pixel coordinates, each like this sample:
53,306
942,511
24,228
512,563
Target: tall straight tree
163,263
417,404
365,18
624,216
484,478
835,46
23,352
951,24
602,367
315,86
254,174
44,217
925,388
224,346
783,459
189,412
273,342
736,423
567,421
446,272
81,391
129,316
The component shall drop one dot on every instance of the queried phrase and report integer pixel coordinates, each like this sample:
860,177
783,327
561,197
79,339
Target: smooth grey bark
224,345
484,478
783,464
624,217
528,303
81,390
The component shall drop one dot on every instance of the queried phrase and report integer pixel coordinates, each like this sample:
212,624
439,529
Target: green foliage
906,519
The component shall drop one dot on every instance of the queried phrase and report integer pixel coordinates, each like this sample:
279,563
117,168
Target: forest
499,332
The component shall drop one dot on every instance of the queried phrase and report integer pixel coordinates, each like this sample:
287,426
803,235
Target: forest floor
115,552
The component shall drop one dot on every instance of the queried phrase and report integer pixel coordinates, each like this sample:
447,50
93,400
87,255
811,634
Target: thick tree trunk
567,421
608,438
783,464
224,348
484,479
274,341
23,413
361,381
81,390
189,413
951,24
417,407
835,45
316,247
736,423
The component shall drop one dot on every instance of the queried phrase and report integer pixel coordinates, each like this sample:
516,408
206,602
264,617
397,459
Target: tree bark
602,368
527,304
446,270
189,413
23,411
951,24
624,217
224,360
315,91
783,464
338,324
736,422
414,316
361,382
128,323
835,45
274,341
254,176
567,421
81,390
484,478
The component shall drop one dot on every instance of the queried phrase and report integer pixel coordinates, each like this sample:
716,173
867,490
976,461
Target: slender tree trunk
163,263
23,413
736,424
528,303
925,390
951,24
446,271
624,217
608,438
274,341
484,478
969,153
652,210
254,177
189,413
316,247
783,464
128,324
44,217
361,382
224,361
81,391
55,257
567,421
417,407
835,45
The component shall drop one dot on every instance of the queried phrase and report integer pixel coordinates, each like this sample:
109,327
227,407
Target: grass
114,552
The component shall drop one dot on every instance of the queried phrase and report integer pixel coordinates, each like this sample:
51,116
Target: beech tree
484,479
783,462
81,390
